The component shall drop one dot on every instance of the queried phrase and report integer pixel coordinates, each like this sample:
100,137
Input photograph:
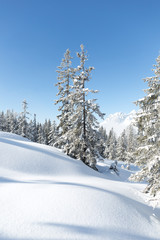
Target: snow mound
12,136
118,121
21,155
47,195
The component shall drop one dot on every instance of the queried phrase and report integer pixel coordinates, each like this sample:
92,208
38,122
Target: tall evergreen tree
148,123
23,124
46,129
34,129
82,132
2,121
7,122
102,141
40,133
110,148
65,76
122,147
131,145
53,134
13,122
113,148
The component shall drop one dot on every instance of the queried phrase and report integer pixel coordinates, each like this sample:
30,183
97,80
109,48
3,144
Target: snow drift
46,195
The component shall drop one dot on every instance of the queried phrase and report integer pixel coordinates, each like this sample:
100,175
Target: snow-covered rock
118,121
45,194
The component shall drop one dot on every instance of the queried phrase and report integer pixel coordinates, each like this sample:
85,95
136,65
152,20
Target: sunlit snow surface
46,195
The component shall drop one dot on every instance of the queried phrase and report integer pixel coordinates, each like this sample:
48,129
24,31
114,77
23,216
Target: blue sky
122,38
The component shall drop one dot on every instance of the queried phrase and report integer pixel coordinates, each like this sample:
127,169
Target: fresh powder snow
45,194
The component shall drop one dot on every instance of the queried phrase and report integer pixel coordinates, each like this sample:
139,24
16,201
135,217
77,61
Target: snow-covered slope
118,121
46,195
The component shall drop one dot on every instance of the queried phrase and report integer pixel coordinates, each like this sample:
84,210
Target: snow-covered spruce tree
82,132
34,129
65,74
122,147
113,148
46,131
148,123
53,134
23,124
40,138
7,120
131,145
110,148
102,141
2,121
30,130
13,122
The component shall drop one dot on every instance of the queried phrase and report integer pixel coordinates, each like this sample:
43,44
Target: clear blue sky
122,38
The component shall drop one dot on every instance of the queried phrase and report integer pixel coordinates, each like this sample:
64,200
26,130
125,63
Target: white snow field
46,195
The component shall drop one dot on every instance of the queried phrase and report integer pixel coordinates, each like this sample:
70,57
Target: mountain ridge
118,121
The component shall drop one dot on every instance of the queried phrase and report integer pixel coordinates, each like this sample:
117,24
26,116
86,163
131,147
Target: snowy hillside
46,195
118,121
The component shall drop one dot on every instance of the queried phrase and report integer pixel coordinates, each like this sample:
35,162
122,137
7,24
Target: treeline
21,124
109,145
120,148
